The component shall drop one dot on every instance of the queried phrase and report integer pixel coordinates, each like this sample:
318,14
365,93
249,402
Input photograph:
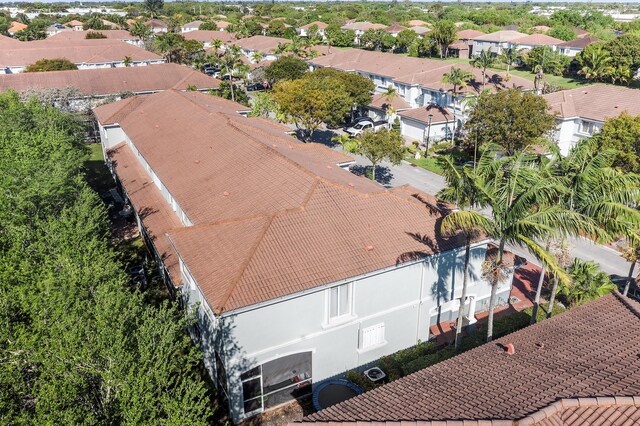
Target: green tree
625,51
154,7
444,33
563,33
276,28
511,119
229,62
373,39
90,35
339,38
168,44
262,105
457,78
58,64
588,283
208,26
622,134
357,87
140,30
404,40
378,146
309,102
543,59
509,57
483,60
286,68
595,64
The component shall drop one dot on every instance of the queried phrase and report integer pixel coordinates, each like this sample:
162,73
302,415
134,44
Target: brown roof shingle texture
538,40
81,35
108,81
590,351
597,102
272,216
500,36
208,36
77,51
409,70
579,43
421,114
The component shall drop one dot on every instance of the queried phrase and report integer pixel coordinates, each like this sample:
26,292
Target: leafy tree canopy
59,64
286,67
378,146
208,26
622,134
358,88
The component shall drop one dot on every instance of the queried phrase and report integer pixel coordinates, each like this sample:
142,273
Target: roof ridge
634,307
244,264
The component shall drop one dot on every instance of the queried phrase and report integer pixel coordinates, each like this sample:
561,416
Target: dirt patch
283,415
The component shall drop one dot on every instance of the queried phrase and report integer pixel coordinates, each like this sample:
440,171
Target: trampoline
333,392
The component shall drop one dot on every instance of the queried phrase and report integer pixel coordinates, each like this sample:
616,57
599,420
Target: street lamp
426,153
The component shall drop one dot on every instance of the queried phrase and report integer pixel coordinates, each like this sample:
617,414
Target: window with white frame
372,336
339,301
587,127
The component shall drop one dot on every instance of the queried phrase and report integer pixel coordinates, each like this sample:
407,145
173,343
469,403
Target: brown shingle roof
439,114
418,22
395,28
9,42
468,34
589,351
597,102
156,23
500,36
579,43
398,103
420,30
292,218
413,71
107,81
363,26
261,43
77,51
320,25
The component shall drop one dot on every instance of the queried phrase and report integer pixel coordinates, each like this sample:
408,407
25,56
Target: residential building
223,25
427,124
296,269
86,54
207,37
495,42
582,112
75,25
394,29
418,23
96,85
157,26
122,35
320,26
573,47
260,43
530,41
420,30
578,368
15,27
360,27
191,26
110,25
463,46
10,42
417,81
55,29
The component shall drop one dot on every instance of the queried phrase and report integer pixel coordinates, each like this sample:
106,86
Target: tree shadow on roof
383,174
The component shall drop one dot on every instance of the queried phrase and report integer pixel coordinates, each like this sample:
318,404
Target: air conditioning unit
375,374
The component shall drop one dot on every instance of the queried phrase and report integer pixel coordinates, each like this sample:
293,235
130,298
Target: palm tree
281,48
127,61
589,282
228,63
621,74
596,66
484,60
217,45
458,78
632,255
509,56
257,56
562,253
523,211
461,191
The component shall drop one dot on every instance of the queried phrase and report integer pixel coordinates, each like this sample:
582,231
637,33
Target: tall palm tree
257,56
596,66
509,56
458,78
217,44
483,61
228,63
461,191
523,212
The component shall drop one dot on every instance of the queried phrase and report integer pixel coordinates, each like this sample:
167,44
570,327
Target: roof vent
226,194
369,248
351,184
274,145
329,167
196,161
510,348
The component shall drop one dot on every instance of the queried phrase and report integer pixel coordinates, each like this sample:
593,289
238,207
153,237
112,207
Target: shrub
58,64
94,35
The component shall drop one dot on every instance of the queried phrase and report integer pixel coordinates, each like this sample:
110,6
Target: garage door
412,129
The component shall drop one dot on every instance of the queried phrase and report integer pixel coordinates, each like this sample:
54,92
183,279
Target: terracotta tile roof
500,36
537,40
81,35
77,51
609,411
292,218
261,43
9,42
413,71
74,23
208,36
363,26
156,214
108,81
193,24
155,23
397,102
579,43
418,22
319,24
395,28
580,32
439,115
587,352
420,30
223,24
597,102
468,34
17,26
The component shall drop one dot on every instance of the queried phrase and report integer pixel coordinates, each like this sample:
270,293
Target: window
339,301
372,336
587,127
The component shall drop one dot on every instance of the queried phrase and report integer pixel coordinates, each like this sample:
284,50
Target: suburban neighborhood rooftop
596,102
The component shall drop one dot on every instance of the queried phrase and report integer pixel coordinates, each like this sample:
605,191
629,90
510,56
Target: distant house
495,42
86,54
534,40
580,33
121,35
395,29
578,368
463,46
296,270
582,112
573,47
191,26
95,85
431,123
360,27
55,29
110,25
75,25
207,37
418,23
420,30
321,27
223,25
157,26
15,27
264,44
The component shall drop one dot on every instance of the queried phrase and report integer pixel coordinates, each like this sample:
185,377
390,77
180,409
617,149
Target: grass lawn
426,163
98,176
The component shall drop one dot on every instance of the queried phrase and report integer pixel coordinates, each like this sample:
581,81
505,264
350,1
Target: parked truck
365,126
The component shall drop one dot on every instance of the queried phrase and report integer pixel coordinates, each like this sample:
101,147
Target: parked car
258,87
210,71
356,121
365,126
